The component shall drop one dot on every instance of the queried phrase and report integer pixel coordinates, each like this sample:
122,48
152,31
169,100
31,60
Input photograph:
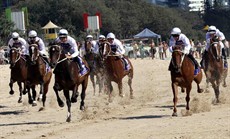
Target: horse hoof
19,101
24,92
121,95
41,109
34,104
61,104
131,97
73,100
30,101
82,108
68,119
174,114
11,92
224,85
200,91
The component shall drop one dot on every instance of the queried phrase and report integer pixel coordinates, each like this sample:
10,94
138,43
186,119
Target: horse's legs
11,86
24,88
175,98
84,86
120,87
110,89
74,94
207,85
130,87
196,79
56,87
41,91
30,99
93,83
187,98
34,93
20,92
68,103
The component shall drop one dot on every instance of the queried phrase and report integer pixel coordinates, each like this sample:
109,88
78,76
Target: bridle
18,51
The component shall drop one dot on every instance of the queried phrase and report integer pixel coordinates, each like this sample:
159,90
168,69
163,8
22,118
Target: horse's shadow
170,106
17,112
141,117
24,123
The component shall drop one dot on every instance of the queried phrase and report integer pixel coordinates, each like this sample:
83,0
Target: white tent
146,33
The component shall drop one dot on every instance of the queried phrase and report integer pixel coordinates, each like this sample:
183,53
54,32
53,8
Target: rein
182,58
17,49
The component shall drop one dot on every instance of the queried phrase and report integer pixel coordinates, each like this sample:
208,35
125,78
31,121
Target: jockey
178,38
89,39
69,46
117,47
101,38
34,39
214,32
17,41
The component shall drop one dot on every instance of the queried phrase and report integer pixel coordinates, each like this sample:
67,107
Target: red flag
85,19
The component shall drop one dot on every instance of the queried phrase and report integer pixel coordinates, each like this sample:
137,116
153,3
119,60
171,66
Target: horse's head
15,54
215,49
88,47
34,53
54,53
104,49
177,57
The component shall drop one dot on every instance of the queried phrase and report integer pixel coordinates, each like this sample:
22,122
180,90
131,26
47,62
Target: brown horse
182,75
114,70
67,78
38,73
214,69
96,67
18,65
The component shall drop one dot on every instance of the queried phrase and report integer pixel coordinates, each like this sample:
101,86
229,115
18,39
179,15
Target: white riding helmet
176,31
32,33
212,29
110,35
63,33
15,35
89,36
101,37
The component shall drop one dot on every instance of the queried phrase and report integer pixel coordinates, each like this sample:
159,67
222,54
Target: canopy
50,25
146,33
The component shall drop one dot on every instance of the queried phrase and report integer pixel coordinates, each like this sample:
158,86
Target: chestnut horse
214,69
18,73
38,73
182,75
114,70
67,78
96,67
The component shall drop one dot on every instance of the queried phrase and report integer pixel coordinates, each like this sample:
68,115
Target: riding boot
78,60
195,63
203,59
125,63
225,58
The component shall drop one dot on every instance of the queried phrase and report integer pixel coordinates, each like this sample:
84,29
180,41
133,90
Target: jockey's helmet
101,37
110,36
212,29
15,35
89,36
63,33
32,34
176,31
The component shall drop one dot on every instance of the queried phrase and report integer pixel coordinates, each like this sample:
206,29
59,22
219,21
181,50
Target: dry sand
148,116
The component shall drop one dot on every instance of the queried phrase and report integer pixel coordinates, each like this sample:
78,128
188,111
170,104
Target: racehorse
114,69
67,78
182,75
18,65
38,73
96,67
214,69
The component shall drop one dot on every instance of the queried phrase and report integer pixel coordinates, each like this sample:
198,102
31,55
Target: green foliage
6,28
125,18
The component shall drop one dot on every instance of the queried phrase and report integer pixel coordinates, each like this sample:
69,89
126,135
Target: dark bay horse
38,73
114,70
96,67
18,73
67,78
214,69
182,75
